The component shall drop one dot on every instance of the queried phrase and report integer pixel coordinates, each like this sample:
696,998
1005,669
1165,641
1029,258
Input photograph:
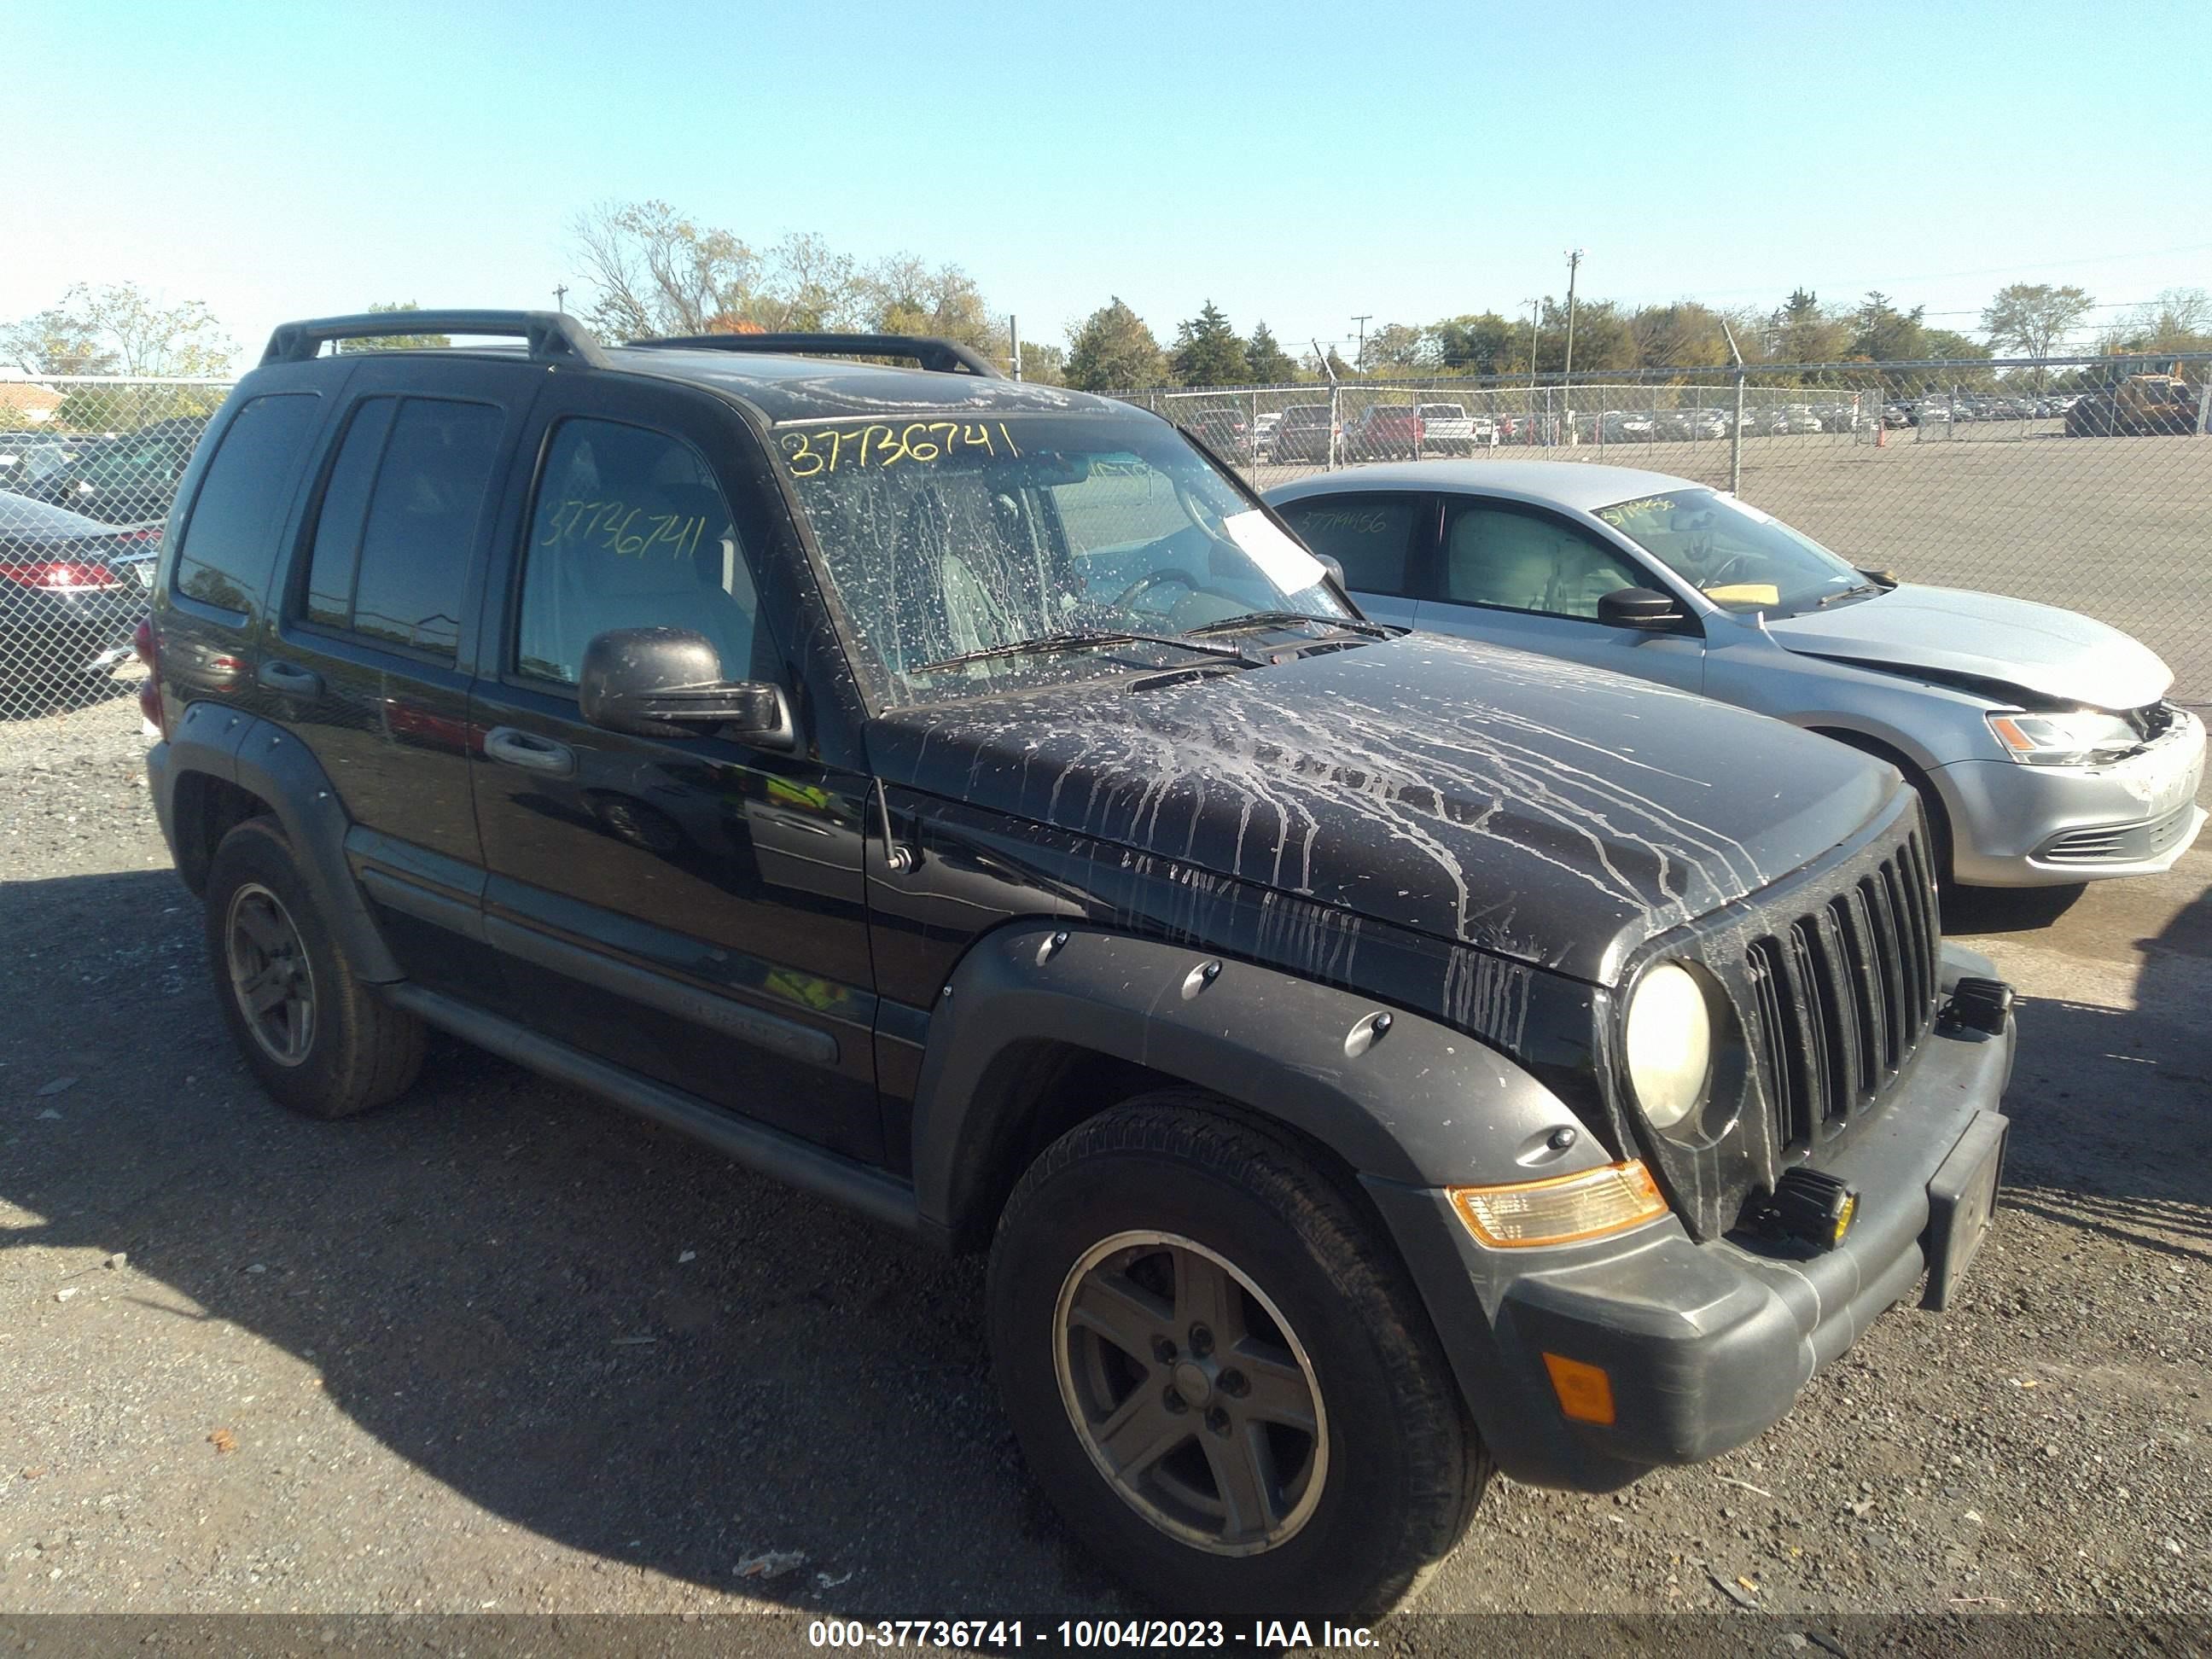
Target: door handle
530,752
287,681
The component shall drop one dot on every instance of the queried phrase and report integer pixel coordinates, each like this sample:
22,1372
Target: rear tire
319,1040
1307,1458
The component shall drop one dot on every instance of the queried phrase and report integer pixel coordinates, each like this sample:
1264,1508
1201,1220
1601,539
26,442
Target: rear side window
399,521
1366,534
229,543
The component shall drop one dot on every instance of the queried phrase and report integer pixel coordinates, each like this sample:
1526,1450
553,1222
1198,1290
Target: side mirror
667,682
1335,568
1639,607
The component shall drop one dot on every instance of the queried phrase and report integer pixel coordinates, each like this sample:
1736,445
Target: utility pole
1014,343
1535,314
1359,360
1574,265
561,297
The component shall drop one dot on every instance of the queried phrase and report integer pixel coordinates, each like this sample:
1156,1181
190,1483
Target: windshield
945,538
1736,555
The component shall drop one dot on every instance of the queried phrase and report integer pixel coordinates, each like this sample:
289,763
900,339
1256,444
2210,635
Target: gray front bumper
1707,1345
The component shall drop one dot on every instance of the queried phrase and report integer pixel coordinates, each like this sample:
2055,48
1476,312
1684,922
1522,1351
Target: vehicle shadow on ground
491,1276
2112,1109
592,1328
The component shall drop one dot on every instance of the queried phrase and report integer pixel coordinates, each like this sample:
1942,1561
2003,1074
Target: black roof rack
940,356
550,334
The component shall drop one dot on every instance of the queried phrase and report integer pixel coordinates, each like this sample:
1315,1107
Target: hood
2037,647
1529,807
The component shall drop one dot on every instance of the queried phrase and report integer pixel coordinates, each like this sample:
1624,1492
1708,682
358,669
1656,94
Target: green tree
1208,351
2033,318
2178,320
904,295
1883,333
1395,349
396,342
1112,350
1804,331
119,330
1270,365
1044,365
658,271
1683,335
1478,343
1603,339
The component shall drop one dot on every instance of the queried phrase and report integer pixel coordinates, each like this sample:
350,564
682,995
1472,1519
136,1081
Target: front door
691,907
1517,575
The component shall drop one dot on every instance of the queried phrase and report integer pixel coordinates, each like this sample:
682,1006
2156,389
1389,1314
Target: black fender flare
1393,1094
261,758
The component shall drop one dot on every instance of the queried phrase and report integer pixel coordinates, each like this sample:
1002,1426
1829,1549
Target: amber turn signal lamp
1585,1391
1563,1210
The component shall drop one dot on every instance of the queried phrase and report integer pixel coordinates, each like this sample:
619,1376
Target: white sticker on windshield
1281,560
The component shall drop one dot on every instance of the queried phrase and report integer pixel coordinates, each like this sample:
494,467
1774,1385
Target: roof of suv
785,376
824,388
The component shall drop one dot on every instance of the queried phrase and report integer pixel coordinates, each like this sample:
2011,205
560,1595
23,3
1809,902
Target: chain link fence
2081,481
2084,483
87,469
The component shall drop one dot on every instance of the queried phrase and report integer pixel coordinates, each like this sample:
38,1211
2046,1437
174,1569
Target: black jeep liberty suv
1370,1059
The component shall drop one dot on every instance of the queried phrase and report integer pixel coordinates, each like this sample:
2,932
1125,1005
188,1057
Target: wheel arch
219,766
1042,1025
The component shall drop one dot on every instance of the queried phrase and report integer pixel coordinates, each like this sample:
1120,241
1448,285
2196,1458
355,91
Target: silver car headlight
2076,736
1669,1042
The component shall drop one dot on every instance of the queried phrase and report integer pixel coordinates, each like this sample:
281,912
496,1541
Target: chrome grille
1843,995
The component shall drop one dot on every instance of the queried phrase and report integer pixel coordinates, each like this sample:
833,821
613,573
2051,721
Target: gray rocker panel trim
1413,1101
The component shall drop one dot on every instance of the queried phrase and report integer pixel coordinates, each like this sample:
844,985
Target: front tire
319,1040
1220,1372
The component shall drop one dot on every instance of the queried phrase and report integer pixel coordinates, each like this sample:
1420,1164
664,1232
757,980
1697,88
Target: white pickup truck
1448,429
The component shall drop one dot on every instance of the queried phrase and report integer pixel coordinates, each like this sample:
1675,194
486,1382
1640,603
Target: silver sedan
2042,742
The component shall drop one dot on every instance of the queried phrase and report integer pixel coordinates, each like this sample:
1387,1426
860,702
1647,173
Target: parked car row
71,590
117,478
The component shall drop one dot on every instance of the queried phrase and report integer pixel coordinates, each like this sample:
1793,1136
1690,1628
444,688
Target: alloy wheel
269,973
1191,1393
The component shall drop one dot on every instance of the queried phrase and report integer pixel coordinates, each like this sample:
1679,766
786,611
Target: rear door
369,666
689,908
1380,536
1513,574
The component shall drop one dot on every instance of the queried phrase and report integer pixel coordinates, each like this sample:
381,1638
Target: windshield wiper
1285,618
1848,594
1084,639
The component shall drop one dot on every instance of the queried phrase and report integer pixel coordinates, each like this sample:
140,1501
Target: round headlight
1670,1044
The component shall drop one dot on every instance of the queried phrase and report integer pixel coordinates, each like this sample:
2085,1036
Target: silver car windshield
1737,556
947,539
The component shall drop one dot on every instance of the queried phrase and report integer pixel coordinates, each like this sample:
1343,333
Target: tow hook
1978,1004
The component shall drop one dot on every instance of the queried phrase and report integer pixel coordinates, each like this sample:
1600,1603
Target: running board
799,1163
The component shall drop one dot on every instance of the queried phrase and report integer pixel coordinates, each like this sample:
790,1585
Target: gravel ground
499,1347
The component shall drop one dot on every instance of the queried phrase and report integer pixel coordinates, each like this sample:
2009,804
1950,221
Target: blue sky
1297,163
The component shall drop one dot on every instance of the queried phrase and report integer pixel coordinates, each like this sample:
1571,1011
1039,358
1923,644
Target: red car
1384,432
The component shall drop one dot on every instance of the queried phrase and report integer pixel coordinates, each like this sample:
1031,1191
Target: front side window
399,521
1515,560
630,530
1366,534
944,538
229,545
1739,557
